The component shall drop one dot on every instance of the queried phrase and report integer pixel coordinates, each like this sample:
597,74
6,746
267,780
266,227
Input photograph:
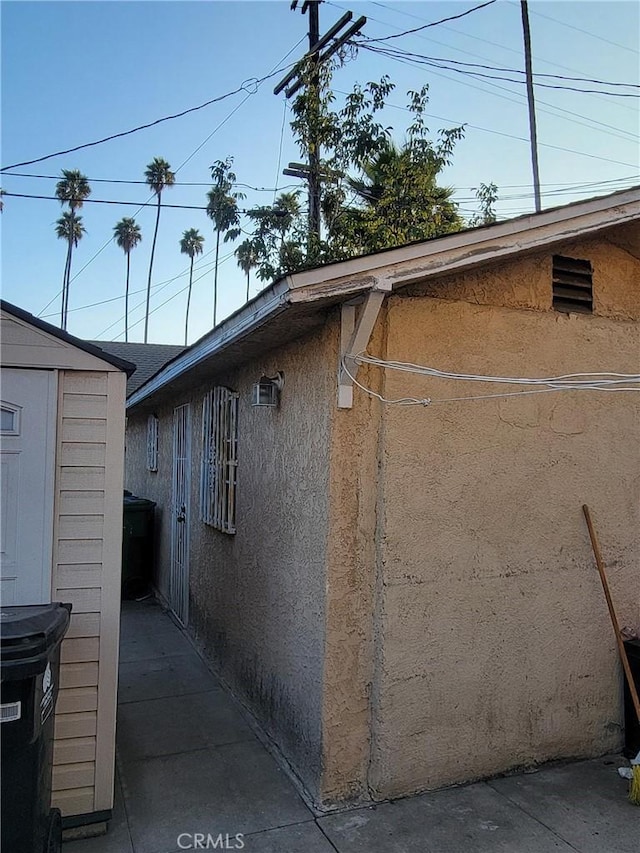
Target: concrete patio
189,761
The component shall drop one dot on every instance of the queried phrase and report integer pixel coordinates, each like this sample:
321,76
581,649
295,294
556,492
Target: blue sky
73,72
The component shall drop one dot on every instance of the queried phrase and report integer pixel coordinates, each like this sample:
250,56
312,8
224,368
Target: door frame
180,595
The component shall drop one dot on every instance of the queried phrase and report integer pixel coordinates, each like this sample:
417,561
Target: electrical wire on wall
602,381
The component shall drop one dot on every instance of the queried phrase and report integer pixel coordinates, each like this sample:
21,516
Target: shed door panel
27,458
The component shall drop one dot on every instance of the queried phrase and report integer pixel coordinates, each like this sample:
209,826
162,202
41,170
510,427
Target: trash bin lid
28,633
132,503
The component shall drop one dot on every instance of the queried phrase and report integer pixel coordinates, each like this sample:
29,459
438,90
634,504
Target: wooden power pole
320,49
532,107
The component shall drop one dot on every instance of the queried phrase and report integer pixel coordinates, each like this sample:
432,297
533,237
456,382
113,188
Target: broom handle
616,627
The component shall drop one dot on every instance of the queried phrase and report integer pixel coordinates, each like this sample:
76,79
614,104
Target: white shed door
27,452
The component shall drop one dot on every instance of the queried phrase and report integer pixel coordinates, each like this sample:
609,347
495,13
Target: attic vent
572,285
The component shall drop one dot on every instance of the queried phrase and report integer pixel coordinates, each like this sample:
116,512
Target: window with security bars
219,462
152,443
572,285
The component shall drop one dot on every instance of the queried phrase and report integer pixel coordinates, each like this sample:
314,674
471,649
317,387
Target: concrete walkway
188,762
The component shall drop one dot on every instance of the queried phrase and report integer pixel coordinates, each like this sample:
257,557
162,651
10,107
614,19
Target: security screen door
179,580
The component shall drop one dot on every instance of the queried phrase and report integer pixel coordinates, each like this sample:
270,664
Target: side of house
81,536
409,598
256,597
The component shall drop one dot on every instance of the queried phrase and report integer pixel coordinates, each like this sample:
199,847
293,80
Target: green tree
248,257
72,189
487,195
375,194
222,209
280,236
127,235
69,228
190,244
158,176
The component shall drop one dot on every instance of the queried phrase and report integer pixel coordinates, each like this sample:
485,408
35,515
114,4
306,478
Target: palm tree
248,258
222,209
69,227
191,244
127,235
72,189
158,175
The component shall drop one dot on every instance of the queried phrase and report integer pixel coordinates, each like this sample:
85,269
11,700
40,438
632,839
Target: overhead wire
275,70
254,81
461,33
434,23
448,65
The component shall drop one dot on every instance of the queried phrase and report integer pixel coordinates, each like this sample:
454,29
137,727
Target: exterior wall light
266,392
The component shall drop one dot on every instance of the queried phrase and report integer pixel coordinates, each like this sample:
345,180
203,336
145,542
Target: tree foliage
127,235
375,193
158,175
72,190
191,244
222,210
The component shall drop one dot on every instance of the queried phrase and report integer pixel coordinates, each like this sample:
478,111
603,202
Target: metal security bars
152,443
219,459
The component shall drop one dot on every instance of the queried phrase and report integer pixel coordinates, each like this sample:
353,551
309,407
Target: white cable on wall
604,381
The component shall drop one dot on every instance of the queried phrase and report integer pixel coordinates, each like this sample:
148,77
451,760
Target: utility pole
532,107
320,49
314,107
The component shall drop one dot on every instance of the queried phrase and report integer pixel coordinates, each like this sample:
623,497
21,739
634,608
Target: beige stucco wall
410,599
257,598
492,639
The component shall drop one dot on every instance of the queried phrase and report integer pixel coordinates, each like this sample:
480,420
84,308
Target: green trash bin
137,546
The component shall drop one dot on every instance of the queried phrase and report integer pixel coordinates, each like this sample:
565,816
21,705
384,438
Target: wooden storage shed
63,420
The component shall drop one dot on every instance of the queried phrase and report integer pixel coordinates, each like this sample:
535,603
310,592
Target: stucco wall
257,598
493,642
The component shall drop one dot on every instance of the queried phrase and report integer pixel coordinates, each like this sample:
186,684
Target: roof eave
395,268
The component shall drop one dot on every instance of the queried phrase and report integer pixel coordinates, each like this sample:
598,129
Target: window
572,285
219,465
9,419
152,443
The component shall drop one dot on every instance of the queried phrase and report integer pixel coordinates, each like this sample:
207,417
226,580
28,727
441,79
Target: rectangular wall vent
572,285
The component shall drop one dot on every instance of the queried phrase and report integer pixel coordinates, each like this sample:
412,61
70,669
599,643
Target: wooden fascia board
456,251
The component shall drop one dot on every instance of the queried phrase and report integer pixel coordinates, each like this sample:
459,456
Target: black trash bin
631,723
137,545
29,669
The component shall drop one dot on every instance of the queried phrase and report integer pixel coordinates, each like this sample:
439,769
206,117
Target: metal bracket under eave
355,332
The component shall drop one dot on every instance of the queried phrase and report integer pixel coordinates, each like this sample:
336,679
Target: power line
138,204
433,23
253,81
477,38
144,183
444,65
500,68
505,98
617,104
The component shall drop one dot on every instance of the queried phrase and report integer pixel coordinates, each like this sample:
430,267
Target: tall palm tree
69,227
191,244
72,189
248,258
127,235
158,175
222,209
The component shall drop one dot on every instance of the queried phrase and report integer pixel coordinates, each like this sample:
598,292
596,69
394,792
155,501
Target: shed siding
87,542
